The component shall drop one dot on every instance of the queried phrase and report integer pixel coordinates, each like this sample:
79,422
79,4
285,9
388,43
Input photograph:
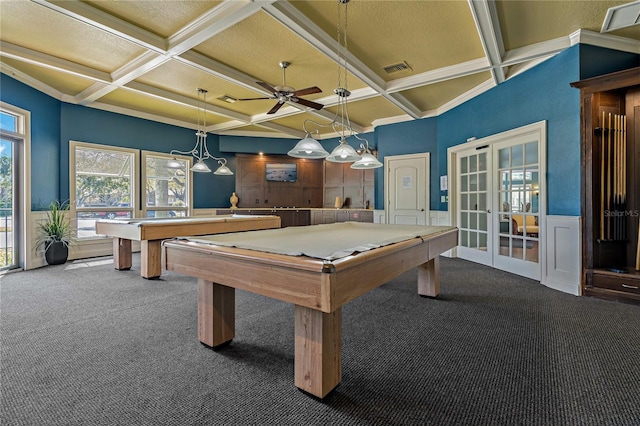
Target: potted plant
56,234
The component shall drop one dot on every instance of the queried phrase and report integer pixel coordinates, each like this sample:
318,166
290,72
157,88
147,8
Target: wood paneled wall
318,184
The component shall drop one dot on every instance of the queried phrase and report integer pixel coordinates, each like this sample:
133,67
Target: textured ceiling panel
533,21
425,34
258,44
41,29
161,17
430,97
183,79
62,47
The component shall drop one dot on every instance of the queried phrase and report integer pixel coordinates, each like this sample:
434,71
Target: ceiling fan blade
307,91
267,86
253,99
309,104
275,108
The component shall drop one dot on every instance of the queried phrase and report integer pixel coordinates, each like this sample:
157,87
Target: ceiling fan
285,93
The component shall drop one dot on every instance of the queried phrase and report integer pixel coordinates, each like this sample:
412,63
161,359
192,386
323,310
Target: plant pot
56,253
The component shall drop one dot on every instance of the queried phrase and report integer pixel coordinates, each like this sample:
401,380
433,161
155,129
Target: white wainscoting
563,268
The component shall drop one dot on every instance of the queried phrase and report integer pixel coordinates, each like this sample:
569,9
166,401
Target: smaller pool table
150,232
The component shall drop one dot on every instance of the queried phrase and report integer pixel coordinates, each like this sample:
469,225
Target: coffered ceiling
147,58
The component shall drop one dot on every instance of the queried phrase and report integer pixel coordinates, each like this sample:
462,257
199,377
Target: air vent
401,66
621,16
227,98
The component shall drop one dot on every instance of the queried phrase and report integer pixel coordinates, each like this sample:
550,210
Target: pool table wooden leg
429,278
121,254
216,313
151,259
318,366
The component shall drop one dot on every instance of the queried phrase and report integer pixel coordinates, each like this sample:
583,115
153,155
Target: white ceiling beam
185,100
485,16
303,27
87,14
213,22
216,20
23,54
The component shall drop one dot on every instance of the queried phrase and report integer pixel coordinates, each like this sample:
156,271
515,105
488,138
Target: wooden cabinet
254,191
288,217
340,215
355,187
611,185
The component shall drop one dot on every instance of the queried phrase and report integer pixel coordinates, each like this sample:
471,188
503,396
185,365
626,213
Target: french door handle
488,210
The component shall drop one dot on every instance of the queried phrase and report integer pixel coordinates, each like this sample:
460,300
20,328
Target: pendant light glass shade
223,170
343,153
368,161
201,167
308,148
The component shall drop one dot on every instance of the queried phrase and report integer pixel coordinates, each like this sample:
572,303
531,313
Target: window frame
134,184
143,182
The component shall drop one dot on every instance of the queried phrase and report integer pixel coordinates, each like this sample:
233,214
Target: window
104,183
167,191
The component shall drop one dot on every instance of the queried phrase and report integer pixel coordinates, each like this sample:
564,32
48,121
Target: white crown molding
463,69
30,81
605,40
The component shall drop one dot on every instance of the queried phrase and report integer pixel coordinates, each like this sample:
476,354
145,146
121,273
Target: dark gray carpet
95,346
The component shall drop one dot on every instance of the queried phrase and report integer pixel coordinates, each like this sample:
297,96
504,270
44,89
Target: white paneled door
407,189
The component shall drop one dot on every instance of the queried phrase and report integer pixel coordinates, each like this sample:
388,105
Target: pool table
151,231
318,268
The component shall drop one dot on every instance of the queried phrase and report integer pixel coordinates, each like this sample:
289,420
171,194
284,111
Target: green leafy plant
56,228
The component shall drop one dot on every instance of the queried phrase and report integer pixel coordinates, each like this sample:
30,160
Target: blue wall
409,137
94,126
542,93
45,138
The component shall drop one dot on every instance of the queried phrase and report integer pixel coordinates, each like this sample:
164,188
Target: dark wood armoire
610,121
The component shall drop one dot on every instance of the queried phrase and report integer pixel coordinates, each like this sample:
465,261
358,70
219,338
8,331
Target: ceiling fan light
200,167
308,148
343,153
223,170
368,161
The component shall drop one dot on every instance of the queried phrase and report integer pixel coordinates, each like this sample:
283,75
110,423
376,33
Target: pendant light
343,153
200,151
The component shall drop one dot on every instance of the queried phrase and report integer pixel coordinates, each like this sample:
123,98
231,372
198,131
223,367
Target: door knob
488,210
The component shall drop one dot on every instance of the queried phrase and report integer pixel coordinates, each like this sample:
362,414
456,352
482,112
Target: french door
499,197
474,202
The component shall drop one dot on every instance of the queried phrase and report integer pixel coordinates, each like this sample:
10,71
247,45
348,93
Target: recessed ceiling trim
88,14
524,66
184,100
485,16
40,59
293,19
